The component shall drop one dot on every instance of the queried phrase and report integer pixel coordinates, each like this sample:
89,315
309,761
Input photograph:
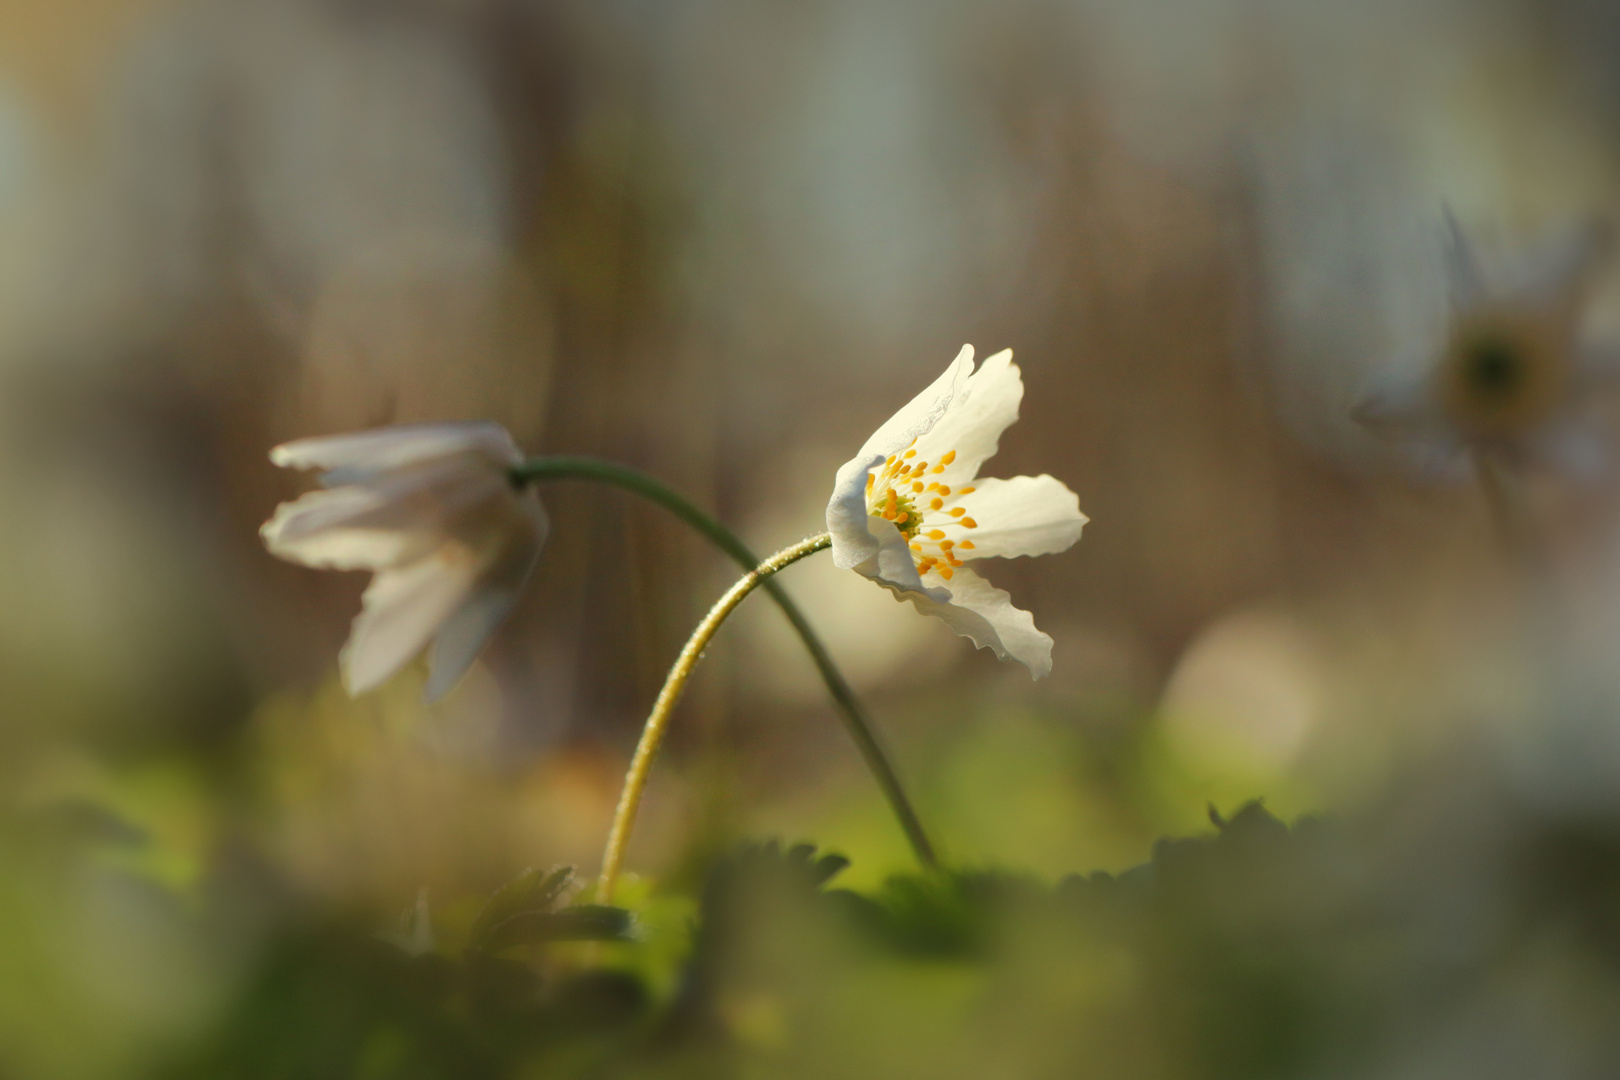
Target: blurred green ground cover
1259,950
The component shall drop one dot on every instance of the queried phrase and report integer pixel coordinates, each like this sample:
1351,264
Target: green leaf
530,893
588,922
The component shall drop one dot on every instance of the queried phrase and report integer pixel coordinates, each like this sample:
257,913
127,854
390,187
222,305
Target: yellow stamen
946,545
946,572
956,511
934,534
939,468
966,544
910,454
967,491
950,456
970,523
943,490
936,504
917,486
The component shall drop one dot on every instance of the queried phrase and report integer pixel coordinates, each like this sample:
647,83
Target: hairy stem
850,711
635,781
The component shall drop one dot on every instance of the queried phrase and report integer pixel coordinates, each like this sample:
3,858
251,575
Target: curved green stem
849,707
635,780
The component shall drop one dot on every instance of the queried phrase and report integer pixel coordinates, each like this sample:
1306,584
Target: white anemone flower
432,511
1516,379
910,511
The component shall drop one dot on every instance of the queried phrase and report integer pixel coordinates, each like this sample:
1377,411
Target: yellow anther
909,454
916,547
956,511
954,561
900,519
970,523
946,572
936,504
934,534
870,480
943,490
916,485
950,456
966,544
918,468
967,491
890,461
946,545
939,468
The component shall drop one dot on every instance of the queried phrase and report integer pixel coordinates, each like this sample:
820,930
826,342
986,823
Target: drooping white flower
1516,378
910,512
431,510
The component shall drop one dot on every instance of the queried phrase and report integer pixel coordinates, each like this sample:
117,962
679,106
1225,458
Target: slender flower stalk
635,781
850,710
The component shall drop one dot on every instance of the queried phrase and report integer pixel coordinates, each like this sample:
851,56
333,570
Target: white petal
1555,273
400,611
972,425
852,539
985,614
312,530
891,564
920,413
394,519
970,408
464,633
1027,515
1401,407
367,453
1463,275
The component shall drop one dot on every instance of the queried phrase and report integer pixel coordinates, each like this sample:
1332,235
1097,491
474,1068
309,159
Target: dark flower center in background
1495,371
1506,374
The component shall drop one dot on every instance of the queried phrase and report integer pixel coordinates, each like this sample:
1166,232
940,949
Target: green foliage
1256,950
521,913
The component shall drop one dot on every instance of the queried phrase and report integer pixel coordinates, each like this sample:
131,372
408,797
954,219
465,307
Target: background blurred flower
911,526
430,508
1516,374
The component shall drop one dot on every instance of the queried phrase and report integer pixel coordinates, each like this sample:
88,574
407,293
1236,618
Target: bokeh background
722,241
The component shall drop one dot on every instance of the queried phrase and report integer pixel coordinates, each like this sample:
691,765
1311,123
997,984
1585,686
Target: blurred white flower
909,511
1516,378
432,511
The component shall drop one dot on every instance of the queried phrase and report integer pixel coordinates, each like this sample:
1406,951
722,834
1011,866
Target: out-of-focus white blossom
432,511
1516,377
909,510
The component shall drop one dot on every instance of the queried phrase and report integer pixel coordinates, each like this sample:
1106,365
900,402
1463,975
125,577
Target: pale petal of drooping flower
432,511
909,512
1514,377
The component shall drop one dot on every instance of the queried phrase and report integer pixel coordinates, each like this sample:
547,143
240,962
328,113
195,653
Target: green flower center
913,519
